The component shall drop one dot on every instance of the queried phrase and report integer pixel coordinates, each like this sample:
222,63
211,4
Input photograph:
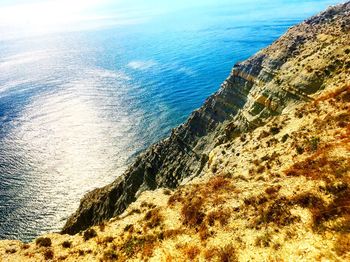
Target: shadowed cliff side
256,89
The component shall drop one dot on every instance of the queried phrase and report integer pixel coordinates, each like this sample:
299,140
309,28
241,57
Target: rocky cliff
299,64
261,172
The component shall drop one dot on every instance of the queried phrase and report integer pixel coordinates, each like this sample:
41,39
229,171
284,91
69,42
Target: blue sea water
77,107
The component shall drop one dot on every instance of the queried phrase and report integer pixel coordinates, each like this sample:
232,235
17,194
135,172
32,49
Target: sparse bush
263,134
134,211
210,253
214,168
48,254
25,246
108,239
66,244
308,200
167,192
43,242
299,150
218,182
228,254
278,213
144,244
129,228
191,212
222,216
342,244
203,232
170,233
284,138
153,217
176,197
272,190
263,240
11,251
260,169
314,143
255,200
110,255
191,252
102,226
275,130
88,234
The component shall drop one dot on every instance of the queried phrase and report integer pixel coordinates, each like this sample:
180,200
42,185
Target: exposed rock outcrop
299,64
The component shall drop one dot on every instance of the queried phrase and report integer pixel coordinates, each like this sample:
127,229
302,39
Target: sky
21,18
32,17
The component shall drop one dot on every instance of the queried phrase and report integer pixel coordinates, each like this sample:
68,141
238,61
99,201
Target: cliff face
302,62
261,172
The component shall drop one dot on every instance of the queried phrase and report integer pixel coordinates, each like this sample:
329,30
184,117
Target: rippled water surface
76,107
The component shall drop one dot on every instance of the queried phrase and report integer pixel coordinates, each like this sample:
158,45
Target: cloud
141,65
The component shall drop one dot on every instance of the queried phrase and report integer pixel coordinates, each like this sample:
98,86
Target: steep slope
297,65
274,184
279,193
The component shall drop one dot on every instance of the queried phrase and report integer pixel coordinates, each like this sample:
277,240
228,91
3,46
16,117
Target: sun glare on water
49,16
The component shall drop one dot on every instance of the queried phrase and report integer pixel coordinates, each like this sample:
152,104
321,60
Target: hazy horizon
27,18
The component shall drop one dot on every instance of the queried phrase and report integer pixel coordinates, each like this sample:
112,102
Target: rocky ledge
301,63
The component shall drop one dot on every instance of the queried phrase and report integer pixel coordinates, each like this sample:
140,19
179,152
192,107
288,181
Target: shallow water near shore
77,107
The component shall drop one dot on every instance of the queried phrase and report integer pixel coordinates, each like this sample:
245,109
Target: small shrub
210,253
11,251
88,234
154,218
191,212
299,150
255,200
191,252
134,211
228,254
67,244
284,138
214,168
110,255
260,169
167,192
222,216
263,134
108,239
144,244
203,232
263,240
314,143
342,244
25,246
48,254
308,200
278,213
176,197
102,226
272,190
275,130
43,242
218,182
129,228
170,233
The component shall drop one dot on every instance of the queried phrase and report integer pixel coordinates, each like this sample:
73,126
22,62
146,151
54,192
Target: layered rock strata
302,62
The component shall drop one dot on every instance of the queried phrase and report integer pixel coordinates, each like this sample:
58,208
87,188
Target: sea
76,107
